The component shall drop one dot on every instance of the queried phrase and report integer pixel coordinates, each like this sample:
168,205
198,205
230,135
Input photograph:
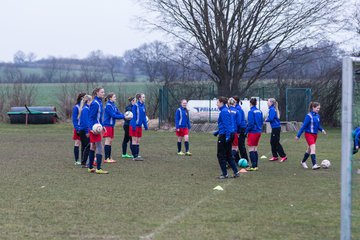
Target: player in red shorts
111,115
311,126
139,119
182,124
75,121
95,117
254,129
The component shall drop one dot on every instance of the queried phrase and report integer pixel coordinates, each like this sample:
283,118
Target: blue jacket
356,136
139,116
182,118
234,113
75,114
111,114
84,119
273,118
128,108
311,124
242,119
96,112
255,121
224,122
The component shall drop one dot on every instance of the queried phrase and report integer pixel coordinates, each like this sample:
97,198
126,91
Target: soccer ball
243,163
97,128
128,115
325,163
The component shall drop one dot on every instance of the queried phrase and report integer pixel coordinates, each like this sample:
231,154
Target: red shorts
109,132
235,143
95,138
182,132
135,132
75,135
253,139
310,138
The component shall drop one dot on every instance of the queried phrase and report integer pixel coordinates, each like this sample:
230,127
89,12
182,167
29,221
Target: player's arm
305,125
271,115
177,118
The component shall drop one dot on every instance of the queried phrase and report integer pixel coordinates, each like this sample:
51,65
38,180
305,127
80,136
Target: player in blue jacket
356,137
75,121
254,129
235,117
84,128
274,120
182,125
241,130
139,119
110,116
311,126
225,139
126,126
96,116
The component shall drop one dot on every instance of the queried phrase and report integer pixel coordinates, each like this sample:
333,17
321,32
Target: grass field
44,196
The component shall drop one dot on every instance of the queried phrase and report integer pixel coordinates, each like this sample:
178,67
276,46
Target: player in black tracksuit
127,137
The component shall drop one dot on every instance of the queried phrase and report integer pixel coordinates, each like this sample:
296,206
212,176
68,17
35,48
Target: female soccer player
274,120
182,124
127,137
111,115
311,126
254,129
84,129
241,130
235,116
75,121
95,116
136,123
356,137
224,139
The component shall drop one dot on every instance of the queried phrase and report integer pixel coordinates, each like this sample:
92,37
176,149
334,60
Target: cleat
77,163
315,167
273,159
236,175
127,156
180,153
91,170
188,153
283,159
139,158
223,177
254,169
304,165
109,161
100,171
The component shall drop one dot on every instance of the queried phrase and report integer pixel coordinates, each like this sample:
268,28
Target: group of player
89,111
233,129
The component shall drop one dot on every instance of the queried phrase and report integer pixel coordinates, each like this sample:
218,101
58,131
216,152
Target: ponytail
95,91
79,97
110,95
276,105
85,99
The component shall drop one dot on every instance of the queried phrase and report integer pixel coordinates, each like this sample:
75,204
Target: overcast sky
69,27
64,28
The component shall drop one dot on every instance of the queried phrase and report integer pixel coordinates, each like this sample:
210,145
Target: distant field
44,196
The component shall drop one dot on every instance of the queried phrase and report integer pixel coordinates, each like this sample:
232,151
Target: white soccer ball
325,163
128,115
97,128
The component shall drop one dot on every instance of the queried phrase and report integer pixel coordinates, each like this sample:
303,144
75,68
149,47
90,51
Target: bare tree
19,58
50,69
31,57
112,65
231,33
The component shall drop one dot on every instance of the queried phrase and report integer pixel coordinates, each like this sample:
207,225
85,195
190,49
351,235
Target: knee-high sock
252,158
76,153
132,147
306,156
98,160
313,159
186,146
107,150
91,158
179,146
257,158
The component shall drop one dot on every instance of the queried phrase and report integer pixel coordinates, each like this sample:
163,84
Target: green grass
44,196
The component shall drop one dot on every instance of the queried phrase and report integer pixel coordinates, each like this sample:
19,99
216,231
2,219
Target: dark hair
313,105
130,99
80,97
253,101
237,99
96,90
223,100
138,96
110,95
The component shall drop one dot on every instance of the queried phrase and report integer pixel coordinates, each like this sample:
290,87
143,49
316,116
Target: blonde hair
276,105
85,99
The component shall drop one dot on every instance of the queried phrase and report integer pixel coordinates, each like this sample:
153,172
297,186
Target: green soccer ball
243,163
